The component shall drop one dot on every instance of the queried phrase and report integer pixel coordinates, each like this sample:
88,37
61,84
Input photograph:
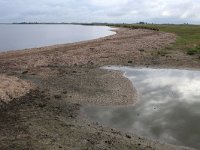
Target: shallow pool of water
168,108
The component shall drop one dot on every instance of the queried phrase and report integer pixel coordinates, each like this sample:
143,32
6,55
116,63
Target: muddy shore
57,81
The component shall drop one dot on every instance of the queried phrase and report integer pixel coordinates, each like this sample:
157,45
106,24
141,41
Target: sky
111,11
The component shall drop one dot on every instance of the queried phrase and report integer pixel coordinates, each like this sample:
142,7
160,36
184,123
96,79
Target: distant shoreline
98,23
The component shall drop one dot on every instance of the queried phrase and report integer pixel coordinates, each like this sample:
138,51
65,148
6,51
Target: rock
57,96
141,50
108,142
25,72
64,92
128,136
90,62
41,105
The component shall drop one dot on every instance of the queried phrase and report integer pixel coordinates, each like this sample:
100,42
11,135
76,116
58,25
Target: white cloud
100,10
166,14
107,3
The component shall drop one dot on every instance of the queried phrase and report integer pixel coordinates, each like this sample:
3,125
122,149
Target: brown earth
69,76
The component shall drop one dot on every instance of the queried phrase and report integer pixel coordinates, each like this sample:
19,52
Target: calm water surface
14,37
168,108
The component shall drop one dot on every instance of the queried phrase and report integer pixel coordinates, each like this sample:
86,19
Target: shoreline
68,77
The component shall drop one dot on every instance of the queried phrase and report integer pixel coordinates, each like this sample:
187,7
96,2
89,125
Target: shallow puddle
168,108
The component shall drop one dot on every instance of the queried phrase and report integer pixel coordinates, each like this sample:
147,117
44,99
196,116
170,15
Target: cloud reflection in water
168,109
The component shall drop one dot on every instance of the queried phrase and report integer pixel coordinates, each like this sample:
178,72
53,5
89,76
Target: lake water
168,108
14,37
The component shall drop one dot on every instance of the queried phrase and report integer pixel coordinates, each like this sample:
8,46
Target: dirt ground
53,83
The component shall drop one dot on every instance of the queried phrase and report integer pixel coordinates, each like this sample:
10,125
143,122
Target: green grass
188,36
136,26
193,51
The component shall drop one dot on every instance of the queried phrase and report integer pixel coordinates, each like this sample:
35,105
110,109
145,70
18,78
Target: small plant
193,51
162,53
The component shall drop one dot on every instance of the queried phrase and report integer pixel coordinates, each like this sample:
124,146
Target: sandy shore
66,77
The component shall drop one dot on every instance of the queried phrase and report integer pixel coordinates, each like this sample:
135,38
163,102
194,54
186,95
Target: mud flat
66,77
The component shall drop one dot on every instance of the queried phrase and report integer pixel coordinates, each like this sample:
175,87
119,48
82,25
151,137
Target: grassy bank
188,36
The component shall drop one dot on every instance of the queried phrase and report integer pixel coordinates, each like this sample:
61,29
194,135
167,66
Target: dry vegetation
12,87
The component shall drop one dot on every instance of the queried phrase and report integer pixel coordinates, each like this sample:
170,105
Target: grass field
188,36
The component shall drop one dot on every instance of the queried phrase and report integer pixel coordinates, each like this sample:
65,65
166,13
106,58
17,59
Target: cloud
129,11
107,3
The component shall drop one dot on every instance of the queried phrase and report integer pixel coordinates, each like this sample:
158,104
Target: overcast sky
128,11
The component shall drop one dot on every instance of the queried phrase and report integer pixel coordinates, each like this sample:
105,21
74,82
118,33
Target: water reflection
168,108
